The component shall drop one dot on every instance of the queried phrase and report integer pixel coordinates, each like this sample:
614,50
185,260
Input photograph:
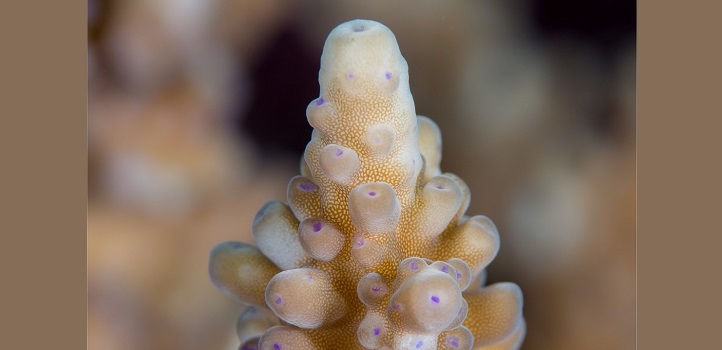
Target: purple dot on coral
414,265
439,187
376,289
339,152
359,29
350,76
435,299
388,75
279,300
309,278
307,186
458,275
372,194
377,331
419,344
396,307
317,226
453,341
359,242
320,101
277,346
445,268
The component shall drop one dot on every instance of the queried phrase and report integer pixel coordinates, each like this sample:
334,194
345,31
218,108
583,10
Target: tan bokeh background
196,118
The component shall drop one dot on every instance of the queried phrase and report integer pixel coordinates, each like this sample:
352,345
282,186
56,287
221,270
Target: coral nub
307,186
435,299
453,341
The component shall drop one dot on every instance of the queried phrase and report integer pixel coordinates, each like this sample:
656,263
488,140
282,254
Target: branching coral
373,249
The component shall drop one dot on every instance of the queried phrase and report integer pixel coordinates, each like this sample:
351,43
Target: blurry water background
197,117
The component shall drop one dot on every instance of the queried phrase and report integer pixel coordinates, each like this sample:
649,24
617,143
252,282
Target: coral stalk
373,249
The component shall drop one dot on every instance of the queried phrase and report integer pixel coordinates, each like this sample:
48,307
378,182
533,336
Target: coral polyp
374,249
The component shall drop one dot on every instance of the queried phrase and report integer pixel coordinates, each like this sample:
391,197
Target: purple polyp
458,275
445,268
439,187
435,299
359,29
278,301
309,278
359,242
388,75
339,152
320,101
307,186
418,345
277,346
376,289
350,76
377,331
414,265
372,194
396,307
317,226
453,341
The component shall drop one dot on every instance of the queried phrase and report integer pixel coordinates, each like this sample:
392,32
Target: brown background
44,183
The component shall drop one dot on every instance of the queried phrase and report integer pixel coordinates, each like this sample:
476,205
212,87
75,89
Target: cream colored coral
374,244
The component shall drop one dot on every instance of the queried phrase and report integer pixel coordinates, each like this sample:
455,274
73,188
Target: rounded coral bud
495,312
430,146
322,240
459,338
304,198
475,241
320,114
241,271
374,207
379,64
305,298
285,338
379,139
372,330
441,198
408,267
463,272
465,194
371,289
339,163
275,231
427,301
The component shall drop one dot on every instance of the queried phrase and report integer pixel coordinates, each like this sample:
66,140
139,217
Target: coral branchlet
373,249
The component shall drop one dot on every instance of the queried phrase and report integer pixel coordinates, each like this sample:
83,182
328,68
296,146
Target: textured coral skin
373,250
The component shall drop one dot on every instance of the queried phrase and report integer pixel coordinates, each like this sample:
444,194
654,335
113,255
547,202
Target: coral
373,249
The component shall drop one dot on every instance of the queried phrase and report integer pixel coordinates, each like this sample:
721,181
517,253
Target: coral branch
373,250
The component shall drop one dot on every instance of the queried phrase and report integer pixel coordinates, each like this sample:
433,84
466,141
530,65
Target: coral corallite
373,249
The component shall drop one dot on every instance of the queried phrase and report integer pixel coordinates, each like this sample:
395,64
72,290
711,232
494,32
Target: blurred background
197,117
